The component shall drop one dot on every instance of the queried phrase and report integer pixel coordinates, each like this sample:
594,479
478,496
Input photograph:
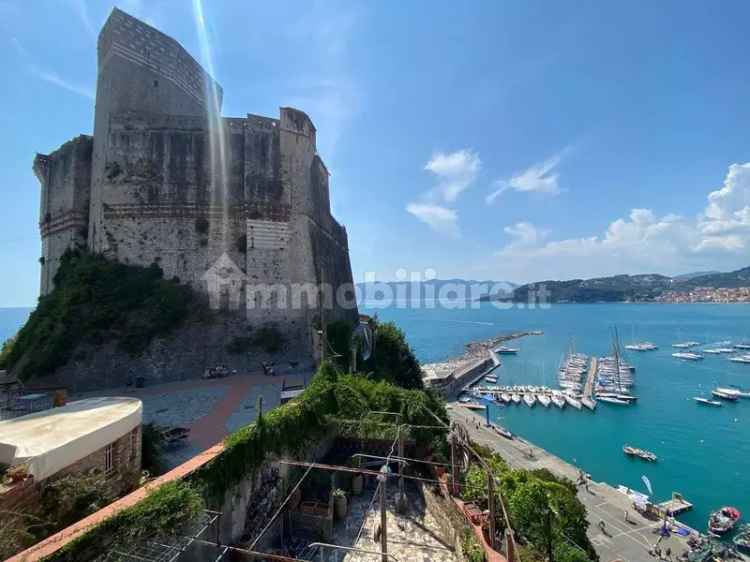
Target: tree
392,359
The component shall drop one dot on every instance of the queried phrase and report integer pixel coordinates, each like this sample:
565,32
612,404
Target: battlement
147,47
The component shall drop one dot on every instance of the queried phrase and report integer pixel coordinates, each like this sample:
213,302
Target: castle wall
162,186
65,178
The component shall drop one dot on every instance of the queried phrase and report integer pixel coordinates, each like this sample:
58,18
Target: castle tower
65,178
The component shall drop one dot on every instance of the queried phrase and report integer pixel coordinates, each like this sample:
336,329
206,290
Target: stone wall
65,178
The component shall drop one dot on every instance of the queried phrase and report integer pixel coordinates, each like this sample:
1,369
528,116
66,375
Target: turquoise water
703,452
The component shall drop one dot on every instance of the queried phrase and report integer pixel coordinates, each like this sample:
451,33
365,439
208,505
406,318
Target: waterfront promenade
619,540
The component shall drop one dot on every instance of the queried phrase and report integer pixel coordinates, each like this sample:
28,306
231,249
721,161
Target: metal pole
491,507
454,469
383,519
400,465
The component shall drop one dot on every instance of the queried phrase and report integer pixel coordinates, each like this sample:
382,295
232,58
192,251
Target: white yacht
688,355
543,400
529,399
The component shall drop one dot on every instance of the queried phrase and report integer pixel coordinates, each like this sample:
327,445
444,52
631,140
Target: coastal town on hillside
706,295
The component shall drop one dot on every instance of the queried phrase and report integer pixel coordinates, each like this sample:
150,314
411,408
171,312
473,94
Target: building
92,434
166,179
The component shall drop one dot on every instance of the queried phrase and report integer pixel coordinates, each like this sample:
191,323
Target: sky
512,140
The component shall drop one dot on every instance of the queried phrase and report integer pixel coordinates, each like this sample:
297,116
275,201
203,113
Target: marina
691,439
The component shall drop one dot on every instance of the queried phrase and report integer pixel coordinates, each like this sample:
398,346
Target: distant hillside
627,288
472,289
689,276
739,278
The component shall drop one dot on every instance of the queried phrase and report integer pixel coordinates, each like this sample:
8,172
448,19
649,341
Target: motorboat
642,346
742,346
686,345
516,398
723,520
640,453
706,401
558,401
573,402
731,396
529,399
688,355
465,399
491,379
504,350
502,431
613,400
475,406
543,400
505,397
590,403
741,359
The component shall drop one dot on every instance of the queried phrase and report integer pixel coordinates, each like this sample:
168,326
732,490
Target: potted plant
339,503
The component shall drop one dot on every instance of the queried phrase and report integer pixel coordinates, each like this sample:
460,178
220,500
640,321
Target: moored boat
731,396
613,400
491,379
572,401
529,399
589,403
706,401
516,398
642,346
543,400
505,397
723,520
475,406
558,401
687,355
640,453
504,350
741,359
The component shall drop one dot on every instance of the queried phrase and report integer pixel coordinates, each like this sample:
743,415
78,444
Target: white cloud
539,178
455,171
52,77
81,10
441,219
718,238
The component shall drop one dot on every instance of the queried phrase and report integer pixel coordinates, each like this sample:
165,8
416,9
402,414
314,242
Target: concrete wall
65,178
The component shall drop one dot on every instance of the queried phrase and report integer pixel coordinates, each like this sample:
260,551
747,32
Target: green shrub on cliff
95,301
392,359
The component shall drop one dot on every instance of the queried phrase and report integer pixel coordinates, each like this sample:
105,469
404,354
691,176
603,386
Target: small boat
742,539
516,398
641,346
742,346
502,431
490,379
558,401
712,351
613,400
589,403
543,400
723,520
686,345
706,401
529,399
505,397
503,350
465,399
741,359
731,396
688,355
475,406
640,453
572,402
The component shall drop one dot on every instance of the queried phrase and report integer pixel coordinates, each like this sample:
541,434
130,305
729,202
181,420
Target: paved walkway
620,540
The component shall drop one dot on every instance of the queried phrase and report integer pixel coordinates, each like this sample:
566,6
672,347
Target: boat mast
616,352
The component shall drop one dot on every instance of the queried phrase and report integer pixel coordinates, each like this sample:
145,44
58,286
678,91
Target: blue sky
506,140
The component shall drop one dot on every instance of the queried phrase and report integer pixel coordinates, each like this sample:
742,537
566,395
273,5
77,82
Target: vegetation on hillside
95,301
549,520
393,359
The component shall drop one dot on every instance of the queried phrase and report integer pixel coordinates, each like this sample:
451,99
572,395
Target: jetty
674,506
588,389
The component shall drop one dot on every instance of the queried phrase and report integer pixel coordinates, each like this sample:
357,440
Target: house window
133,444
109,458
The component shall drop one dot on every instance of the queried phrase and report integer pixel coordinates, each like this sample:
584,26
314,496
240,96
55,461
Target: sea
704,452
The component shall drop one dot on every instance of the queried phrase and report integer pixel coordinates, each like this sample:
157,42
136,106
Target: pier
675,506
588,389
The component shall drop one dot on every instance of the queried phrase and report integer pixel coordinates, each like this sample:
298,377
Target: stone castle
217,202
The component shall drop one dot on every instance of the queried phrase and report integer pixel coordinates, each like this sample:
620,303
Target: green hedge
95,301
